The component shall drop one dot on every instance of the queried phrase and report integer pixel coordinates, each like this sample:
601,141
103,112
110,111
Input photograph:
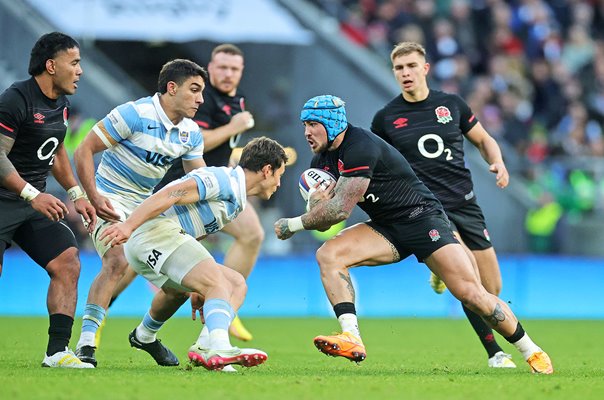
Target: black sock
344,308
484,332
59,333
517,335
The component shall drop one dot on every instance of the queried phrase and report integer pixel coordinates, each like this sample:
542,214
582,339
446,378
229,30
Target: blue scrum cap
327,110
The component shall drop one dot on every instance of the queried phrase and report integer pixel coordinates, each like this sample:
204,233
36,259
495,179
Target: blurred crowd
532,71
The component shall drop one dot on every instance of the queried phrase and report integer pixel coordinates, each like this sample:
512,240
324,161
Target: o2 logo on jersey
440,147
157,159
47,150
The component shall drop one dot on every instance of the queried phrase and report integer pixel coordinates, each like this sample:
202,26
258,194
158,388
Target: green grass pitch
406,359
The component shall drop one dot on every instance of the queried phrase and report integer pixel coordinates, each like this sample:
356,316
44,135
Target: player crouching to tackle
163,249
406,219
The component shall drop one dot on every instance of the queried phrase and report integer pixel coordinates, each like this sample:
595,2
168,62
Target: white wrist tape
75,193
29,192
295,224
251,123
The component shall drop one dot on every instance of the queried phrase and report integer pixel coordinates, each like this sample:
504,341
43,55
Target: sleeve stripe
104,136
354,169
7,128
202,124
472,118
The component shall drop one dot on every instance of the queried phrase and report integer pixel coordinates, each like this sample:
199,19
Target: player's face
410,71
271,182
225,72
66,71
316,136
188,96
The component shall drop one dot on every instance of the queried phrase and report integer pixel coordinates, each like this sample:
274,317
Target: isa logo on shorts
434,235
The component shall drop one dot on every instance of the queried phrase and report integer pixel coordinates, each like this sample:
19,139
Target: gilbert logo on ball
311,177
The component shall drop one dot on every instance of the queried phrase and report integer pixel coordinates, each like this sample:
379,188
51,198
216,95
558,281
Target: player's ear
267,171
50,66
171,88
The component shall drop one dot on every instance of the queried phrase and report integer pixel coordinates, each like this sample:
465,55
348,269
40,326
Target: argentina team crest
443,115
184,137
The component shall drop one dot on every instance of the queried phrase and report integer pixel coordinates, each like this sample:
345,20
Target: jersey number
440,147
45,155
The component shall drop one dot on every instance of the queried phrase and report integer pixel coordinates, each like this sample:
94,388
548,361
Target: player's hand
319,193
47,204
502,176
104,208
197,301
282,229
242,121
116,234
87,211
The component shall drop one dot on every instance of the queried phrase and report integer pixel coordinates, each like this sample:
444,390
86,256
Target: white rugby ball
310,178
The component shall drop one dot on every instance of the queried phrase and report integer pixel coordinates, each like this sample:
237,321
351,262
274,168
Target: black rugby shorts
42,239
469,221
421,237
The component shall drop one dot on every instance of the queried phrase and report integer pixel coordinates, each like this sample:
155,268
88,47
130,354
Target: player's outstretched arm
184,192
44,203
490,151
84,162
61,170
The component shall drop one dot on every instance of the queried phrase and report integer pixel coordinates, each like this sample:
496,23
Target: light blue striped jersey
222,197
147,145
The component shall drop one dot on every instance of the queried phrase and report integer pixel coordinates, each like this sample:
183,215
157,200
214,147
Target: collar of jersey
164,118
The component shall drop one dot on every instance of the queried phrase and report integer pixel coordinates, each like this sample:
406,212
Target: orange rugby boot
344,345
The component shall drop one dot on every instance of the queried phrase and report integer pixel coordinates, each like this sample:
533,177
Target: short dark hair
227,48
46,48
260,152
178,70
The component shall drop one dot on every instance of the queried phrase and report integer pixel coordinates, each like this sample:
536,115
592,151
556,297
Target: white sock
203,340
219,340
86,339
349,323
526,346
144,334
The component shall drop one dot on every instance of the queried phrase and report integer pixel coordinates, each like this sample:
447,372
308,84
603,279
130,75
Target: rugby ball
310,178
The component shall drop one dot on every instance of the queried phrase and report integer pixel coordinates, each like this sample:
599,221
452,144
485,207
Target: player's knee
175,295
65,266
253,237
238,281
472,297
493,286
327,256
212,279
114,266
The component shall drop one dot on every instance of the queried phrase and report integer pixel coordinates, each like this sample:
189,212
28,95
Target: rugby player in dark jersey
406,219
33,122
428,128
223,118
